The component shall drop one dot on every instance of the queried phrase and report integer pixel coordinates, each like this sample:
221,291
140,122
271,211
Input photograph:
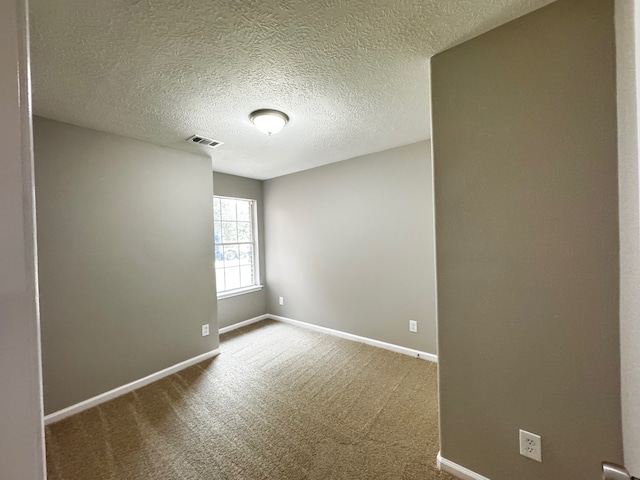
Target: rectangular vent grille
207,142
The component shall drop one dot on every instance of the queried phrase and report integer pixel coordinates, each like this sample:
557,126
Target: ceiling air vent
207,142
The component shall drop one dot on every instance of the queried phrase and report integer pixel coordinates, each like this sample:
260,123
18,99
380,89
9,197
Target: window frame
256,248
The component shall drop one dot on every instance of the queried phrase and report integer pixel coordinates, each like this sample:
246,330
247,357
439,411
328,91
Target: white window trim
239,291
256,242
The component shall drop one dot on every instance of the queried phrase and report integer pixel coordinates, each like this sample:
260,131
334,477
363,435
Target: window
236,246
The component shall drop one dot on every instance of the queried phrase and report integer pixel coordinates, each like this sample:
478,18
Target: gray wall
350,246
627,51
125,258
243,307
21,438
525,159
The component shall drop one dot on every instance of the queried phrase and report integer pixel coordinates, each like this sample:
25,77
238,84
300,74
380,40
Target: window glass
235,243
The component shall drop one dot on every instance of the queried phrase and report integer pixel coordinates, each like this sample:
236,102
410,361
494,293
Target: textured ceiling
351,74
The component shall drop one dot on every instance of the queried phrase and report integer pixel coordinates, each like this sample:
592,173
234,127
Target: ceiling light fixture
269,121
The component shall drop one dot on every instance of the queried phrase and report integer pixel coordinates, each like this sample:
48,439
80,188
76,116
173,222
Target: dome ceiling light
269,121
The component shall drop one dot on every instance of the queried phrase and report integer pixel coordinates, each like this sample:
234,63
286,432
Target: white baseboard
456,470
356,338
116,392
243,323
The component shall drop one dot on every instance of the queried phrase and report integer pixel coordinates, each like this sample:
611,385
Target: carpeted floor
279,402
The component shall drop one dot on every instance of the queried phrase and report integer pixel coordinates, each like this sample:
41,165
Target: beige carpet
279,402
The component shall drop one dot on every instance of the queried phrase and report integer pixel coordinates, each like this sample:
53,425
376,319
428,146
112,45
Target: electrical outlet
281,300
413,326
205,330
531,445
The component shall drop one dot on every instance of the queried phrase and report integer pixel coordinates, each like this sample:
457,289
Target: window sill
239,291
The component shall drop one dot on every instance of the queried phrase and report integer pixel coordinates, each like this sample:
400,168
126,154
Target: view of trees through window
235,243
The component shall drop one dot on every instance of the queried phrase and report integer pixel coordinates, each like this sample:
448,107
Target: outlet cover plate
531,445
281,300
413,326
205,330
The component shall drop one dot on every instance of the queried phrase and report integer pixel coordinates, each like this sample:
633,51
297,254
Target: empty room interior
346,239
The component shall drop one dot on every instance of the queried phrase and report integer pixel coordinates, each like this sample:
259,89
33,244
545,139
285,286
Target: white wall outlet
205,330
531,445
281,300
413,326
